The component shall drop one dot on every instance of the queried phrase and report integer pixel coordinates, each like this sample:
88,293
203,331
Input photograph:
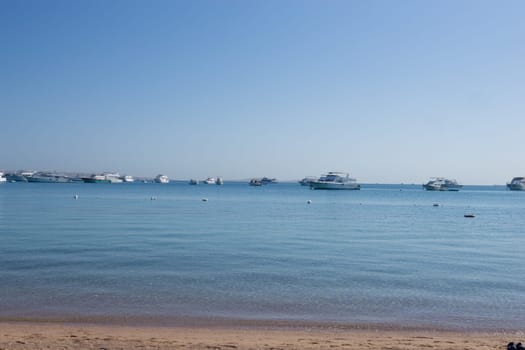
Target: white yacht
335,181
2,178
104,178
209,181
162,179
127,178
517,184
113,178
442,184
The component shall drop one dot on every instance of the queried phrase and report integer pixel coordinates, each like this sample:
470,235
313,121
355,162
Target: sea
393,255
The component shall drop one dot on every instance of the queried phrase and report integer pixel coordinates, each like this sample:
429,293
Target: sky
389,91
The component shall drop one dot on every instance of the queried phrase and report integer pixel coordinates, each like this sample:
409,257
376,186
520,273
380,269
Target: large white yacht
162,179
517,184
442,184
335,181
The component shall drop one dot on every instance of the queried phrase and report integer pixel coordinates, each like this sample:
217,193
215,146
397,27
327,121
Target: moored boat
267,180
194,182
335,181
103,178
2,177
48,178
209,181
442,184
255,182
162,179
127,178
517,184
219,181
20,176
307,180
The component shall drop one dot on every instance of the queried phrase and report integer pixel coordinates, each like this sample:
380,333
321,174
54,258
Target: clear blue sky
390,91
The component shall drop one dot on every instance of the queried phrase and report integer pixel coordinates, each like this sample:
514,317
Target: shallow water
384,254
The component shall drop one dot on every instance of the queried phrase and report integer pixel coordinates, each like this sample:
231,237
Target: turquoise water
382,255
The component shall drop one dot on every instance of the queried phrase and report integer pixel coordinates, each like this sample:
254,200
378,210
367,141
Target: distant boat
255,182
219,181
20,176
194,182
2,178
127,178
209,181
266,181
103,178
95,179
48,178
517,184
442,184
307,180
162,179
335,181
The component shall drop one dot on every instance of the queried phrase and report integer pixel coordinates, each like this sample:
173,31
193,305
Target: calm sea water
384,254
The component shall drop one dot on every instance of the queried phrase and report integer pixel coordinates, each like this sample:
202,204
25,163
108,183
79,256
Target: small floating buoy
204,199
75,196
469,215
309,201
435,205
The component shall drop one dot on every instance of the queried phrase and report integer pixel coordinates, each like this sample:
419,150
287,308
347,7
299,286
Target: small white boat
162,179
517,184
442,184
209,181
219,181
2,177
335,181
127,178
194,182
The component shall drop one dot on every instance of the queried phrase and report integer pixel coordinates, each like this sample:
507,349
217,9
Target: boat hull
316,185
442,188
48,179
94,181
16,178
516,187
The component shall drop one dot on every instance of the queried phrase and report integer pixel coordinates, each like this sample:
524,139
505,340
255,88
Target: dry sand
25,335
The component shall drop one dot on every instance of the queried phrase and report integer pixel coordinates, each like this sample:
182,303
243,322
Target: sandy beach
45,335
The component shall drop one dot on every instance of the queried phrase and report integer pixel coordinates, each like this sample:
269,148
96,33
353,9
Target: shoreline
216,322
66,335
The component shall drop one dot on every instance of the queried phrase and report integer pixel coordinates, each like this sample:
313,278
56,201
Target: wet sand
51,335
